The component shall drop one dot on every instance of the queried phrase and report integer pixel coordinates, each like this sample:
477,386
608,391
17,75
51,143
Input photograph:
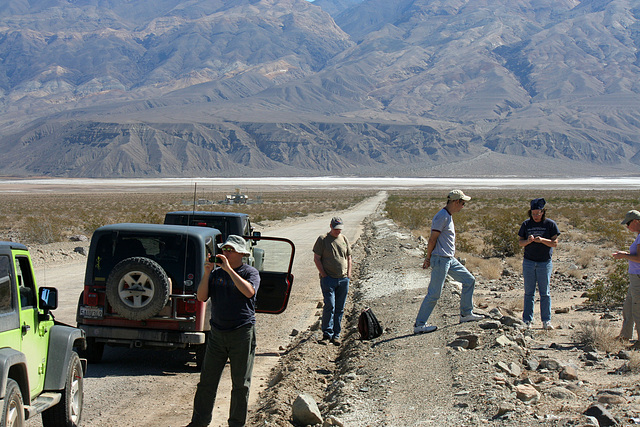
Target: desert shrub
611,290
41,230
468,243
490,268
514,304
502,228
598,333
412,212
515,263
586,256
633,364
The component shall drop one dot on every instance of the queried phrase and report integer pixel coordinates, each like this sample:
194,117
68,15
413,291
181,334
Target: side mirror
48,299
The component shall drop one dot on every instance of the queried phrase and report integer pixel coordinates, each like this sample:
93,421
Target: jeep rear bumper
143,338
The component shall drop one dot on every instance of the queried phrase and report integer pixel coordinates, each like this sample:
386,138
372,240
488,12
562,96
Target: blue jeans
440,267
334,292
239,347
540,273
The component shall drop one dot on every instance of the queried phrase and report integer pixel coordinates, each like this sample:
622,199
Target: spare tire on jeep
138,288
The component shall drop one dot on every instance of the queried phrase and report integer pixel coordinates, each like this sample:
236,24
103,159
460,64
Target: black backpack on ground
368,325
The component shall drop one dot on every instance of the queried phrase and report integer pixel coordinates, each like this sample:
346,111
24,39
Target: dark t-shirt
230,309
534,251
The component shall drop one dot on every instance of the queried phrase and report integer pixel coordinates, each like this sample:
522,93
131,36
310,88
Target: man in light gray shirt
440,256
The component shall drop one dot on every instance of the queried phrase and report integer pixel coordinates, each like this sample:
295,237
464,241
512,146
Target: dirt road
134,387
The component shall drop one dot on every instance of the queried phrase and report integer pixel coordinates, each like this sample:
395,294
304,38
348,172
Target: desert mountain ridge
115,88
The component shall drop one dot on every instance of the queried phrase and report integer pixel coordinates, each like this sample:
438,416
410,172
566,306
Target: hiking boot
325,340
336,341
547,326
424,329
471,318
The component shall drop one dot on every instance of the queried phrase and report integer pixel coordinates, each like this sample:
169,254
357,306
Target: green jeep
39,370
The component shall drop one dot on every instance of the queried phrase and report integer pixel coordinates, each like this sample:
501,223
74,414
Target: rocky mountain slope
406,87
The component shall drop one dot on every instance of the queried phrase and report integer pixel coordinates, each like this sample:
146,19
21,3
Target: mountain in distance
118,88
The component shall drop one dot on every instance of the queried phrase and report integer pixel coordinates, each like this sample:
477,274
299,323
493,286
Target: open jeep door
274,260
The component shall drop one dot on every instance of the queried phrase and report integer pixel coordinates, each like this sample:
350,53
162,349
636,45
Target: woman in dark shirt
538,235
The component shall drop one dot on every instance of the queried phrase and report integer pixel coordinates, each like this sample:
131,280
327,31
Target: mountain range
132,88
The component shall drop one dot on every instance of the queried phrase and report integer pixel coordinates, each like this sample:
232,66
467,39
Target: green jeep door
35,334
9,315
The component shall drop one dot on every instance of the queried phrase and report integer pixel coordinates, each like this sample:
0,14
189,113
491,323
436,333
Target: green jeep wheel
68,412
13,410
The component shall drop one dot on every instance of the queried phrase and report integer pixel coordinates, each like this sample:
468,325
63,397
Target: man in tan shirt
332,256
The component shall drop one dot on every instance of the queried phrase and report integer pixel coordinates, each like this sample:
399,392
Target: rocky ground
493,372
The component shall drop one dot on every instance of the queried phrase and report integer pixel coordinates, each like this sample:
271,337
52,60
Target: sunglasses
226,249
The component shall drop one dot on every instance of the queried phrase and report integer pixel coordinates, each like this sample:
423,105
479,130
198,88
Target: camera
216,259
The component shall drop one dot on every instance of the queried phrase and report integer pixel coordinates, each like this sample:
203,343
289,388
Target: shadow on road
121,362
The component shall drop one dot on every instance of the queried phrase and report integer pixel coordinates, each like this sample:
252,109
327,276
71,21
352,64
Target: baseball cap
630,216
237,243
458,195
336,222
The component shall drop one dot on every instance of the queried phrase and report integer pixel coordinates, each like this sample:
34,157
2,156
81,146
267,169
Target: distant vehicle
141,282
39,370
227,222
237,198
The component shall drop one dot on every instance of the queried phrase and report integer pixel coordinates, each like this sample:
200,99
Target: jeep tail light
92,299
190,306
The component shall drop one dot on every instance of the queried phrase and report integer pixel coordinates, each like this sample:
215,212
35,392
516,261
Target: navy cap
538,204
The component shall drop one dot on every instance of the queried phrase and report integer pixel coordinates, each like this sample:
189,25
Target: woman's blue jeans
536,273
335,293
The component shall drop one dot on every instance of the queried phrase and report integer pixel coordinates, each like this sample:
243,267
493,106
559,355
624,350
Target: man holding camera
232,289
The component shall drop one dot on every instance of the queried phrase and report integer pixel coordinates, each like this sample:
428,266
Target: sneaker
527,325
471,318
424,329
336,341
547,326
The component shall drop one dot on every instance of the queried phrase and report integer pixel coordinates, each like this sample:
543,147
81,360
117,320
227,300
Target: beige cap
457,195
630,216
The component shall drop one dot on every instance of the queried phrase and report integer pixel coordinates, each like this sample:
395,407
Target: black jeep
141,281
